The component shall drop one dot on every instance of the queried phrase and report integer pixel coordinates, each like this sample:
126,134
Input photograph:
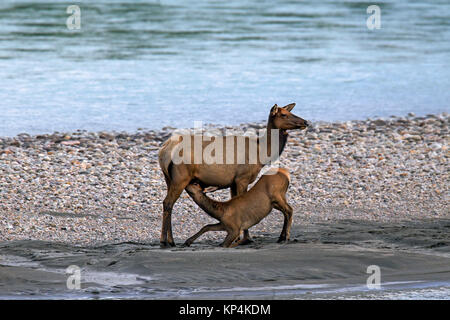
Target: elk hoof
187,244
165,244
246,241
282,239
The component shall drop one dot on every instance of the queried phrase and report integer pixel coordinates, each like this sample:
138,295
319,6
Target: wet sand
323,260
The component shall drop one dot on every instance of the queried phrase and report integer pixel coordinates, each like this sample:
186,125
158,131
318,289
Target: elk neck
213,208
267,139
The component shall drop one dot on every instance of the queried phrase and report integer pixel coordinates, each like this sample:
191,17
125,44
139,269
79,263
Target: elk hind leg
173,193
282,205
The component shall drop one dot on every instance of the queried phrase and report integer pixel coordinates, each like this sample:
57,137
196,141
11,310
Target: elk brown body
244,211
235,176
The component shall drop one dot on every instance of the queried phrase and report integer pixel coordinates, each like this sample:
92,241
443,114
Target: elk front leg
209,227
238,188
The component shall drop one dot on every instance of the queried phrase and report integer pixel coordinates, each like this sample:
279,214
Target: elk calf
244,211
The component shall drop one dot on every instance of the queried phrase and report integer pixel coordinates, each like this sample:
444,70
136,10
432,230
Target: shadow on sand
324,260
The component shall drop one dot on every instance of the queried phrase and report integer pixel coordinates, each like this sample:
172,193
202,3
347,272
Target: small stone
70,142
436,146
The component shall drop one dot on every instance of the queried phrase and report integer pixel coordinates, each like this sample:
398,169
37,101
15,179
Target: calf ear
274,110
289,107
210,189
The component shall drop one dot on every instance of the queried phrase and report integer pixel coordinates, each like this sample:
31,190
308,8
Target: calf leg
231,236
240,242
209,227
282,205
246,239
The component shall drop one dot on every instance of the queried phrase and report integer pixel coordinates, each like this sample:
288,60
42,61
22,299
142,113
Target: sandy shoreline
365,193
90,188
324,260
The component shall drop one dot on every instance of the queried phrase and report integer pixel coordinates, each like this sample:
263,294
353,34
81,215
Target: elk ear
274,110
289,107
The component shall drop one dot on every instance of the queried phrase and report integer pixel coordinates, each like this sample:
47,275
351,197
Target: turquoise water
150,64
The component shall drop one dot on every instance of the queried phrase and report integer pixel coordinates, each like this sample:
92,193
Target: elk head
194,188
283,119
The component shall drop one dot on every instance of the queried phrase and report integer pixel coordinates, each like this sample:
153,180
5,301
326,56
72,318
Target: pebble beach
86,188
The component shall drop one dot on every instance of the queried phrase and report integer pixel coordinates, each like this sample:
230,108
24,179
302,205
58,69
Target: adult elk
236,176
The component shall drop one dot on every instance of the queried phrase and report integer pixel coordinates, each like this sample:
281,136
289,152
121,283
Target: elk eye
283,115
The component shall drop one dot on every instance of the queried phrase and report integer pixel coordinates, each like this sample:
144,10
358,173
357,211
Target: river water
150,64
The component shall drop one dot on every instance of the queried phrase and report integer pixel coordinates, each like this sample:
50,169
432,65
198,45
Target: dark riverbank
324,260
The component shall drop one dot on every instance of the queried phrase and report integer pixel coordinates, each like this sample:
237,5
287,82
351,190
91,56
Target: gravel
94,187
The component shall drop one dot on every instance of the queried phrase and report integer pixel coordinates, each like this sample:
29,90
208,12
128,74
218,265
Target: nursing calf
244,211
